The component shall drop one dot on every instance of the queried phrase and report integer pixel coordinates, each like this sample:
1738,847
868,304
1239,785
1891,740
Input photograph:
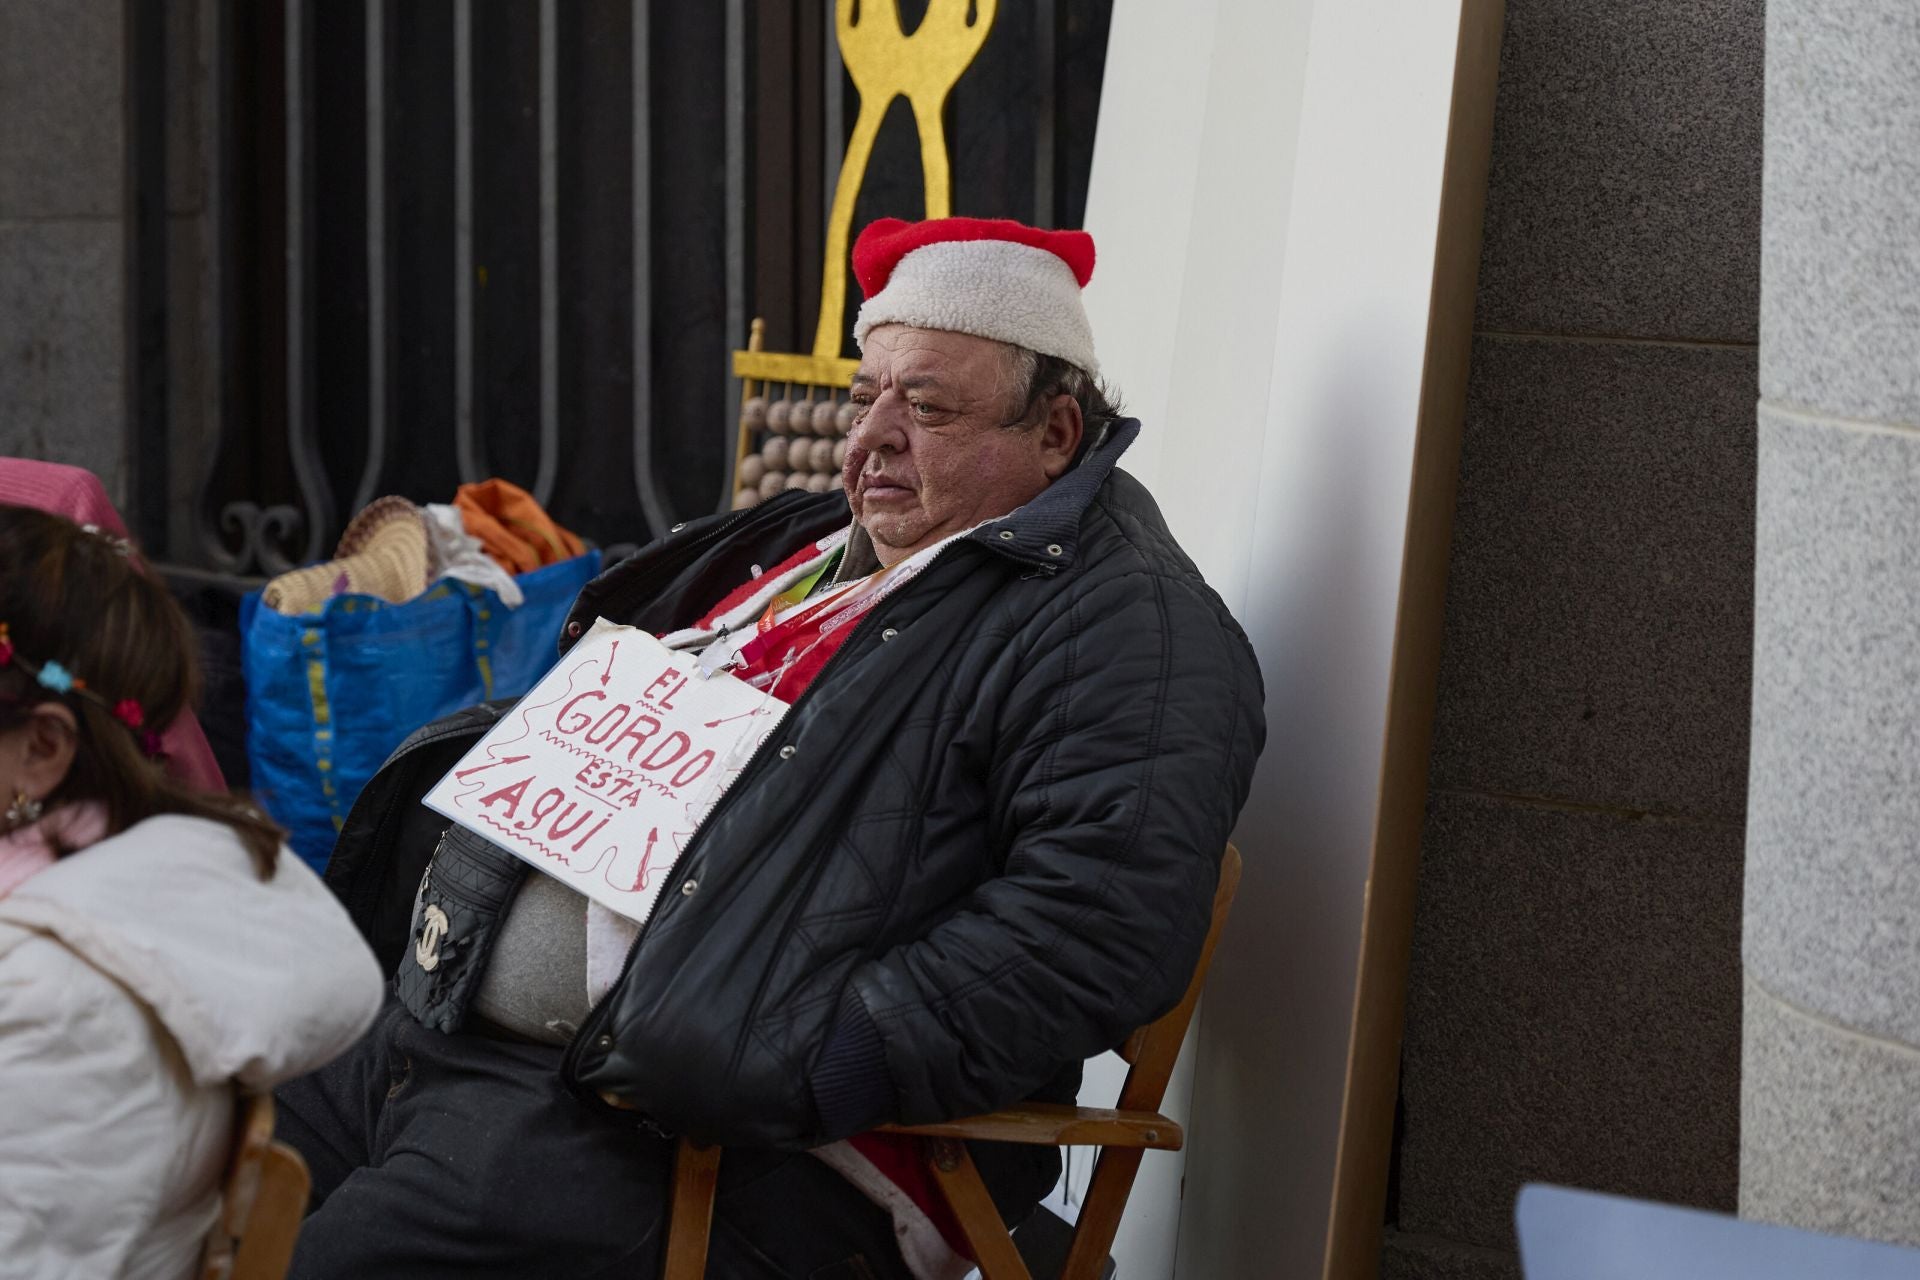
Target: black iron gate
460,238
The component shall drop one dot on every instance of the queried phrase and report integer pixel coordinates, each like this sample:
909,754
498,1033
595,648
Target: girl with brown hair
156,944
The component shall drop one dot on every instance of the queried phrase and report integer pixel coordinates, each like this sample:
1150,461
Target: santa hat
990,277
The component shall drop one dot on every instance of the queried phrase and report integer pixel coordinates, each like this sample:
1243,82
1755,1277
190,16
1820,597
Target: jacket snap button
888,634
786,752
1006,535
1053,548
603,1043
688,889
573,630
677,528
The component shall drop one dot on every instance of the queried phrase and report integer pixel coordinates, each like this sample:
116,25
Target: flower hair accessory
55,676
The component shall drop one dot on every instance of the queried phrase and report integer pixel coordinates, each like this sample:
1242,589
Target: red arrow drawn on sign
608,673
464,774
743,715
646,859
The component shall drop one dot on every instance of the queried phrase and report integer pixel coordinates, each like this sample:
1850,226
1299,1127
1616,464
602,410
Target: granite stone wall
1830,1129
62,234
1574,1005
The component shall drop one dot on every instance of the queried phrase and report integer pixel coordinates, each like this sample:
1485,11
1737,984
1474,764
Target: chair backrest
1152,1050
261,1204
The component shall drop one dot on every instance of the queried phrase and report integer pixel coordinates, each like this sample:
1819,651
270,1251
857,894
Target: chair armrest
1045,1124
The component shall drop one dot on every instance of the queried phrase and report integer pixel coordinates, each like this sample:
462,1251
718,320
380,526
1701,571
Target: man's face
929,454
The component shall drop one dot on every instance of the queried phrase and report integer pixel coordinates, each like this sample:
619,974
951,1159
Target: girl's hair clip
114,540
52,675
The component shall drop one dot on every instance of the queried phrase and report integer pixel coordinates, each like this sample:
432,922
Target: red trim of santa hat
990,277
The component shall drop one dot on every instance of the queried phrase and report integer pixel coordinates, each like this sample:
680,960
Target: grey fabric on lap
535,984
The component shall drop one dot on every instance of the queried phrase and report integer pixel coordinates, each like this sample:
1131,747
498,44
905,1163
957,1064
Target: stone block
1599,599
1429,1257
1573,1013
1833,887
63,345
62,148
193,389
1624,196
1408,1257
189,86
1840,295
1831,1134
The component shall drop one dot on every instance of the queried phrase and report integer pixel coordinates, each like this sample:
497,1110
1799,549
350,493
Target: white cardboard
601,774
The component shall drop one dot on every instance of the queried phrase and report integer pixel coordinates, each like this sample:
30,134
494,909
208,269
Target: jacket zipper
596,1017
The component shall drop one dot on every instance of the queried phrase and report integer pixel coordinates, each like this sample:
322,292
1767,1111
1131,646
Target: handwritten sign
603,772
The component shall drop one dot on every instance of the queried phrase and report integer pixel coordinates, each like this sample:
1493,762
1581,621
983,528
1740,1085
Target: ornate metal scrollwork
262,533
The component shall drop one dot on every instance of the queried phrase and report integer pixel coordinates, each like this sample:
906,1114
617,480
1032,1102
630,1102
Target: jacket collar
1046,532
1045,535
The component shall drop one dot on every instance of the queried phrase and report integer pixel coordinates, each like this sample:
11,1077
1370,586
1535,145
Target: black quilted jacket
981,848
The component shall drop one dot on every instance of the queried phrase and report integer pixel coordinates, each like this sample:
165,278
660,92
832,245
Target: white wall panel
1188,218
1265,197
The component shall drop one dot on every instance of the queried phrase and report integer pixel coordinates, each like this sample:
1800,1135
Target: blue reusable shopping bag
330,694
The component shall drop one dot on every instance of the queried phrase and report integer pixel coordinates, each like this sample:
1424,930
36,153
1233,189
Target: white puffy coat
139,978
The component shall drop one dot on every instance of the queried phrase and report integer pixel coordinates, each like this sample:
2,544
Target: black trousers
460,1156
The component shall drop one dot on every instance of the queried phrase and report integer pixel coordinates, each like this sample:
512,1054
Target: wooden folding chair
1124,1135
262,1203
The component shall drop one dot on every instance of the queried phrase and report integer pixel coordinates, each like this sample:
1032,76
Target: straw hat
383,553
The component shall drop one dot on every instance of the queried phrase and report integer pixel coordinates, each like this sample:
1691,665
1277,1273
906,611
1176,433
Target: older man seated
980,849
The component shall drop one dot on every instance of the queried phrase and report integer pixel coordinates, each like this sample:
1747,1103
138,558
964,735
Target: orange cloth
513,528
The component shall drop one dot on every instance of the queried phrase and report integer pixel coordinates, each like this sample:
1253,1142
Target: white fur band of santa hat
992,278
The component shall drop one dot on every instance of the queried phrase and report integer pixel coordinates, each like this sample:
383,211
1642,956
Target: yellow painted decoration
885,63
780,366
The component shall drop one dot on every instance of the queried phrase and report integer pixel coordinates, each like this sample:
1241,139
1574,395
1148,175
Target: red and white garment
779,646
